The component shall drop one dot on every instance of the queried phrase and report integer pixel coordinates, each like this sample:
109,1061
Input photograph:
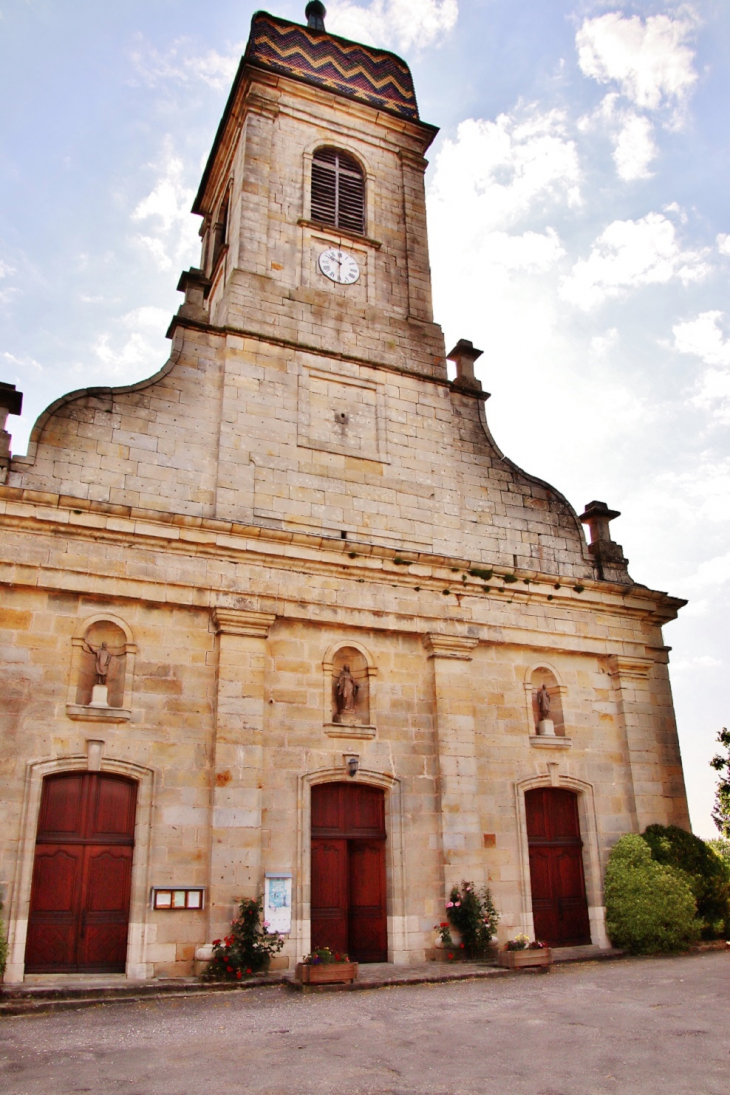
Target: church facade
284,617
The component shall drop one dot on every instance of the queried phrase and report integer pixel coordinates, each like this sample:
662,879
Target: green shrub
650,907
247,949
472,912
722,847
707,873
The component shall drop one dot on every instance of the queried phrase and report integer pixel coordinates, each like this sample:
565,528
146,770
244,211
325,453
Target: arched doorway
559,904
79,905
348,907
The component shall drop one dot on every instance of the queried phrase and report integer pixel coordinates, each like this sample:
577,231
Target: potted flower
247,949
472,913
323,966
520,954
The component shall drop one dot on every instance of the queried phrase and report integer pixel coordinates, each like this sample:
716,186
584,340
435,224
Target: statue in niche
346,692
543,703
102,660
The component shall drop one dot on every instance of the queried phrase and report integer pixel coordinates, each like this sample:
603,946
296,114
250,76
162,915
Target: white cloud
172,237
704,337
181,64
723,244
21,362
403,24
635,148
496,173
649,60
713,572
133,357
5,269
702,661
149,318
628,255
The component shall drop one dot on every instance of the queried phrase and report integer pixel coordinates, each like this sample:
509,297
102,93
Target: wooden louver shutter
338,190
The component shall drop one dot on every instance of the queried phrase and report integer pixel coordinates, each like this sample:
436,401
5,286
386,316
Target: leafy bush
721,764
248,948
722,847
323,956
650,907
707,873
472,913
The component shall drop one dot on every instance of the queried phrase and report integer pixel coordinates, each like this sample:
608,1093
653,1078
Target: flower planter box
330,973
520,960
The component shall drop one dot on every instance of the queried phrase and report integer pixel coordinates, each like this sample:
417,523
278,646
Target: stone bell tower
302,96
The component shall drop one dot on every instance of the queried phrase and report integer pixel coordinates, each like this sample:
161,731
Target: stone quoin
285,609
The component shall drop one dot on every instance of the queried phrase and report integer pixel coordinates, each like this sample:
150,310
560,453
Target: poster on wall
277,903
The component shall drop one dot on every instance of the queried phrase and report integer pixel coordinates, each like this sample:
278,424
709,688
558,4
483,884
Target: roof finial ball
315,12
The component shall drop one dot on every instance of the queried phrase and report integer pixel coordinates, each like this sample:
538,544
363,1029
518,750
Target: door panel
367,922
348,870
104,920
329,894
61,808
82,875
112,810
559,905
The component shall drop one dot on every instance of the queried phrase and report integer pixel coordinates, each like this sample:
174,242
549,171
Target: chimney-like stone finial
11,402
464,354
608,555
315,12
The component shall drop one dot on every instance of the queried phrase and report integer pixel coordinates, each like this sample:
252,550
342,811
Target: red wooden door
79,905
559,903
348,871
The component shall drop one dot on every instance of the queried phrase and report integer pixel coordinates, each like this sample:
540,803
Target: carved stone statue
543,703
346,692
102,660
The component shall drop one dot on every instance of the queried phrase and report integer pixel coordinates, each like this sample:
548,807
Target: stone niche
554,724
100,685
349,677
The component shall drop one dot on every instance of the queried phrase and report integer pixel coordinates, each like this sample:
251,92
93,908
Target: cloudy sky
580,236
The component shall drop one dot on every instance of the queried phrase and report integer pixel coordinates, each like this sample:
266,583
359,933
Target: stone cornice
238,621
627,667
304,347
48,515
449,646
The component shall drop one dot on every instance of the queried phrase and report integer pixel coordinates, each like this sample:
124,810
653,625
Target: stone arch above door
591,855
398,942
19,906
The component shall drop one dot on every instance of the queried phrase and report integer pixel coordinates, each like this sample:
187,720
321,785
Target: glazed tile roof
373,76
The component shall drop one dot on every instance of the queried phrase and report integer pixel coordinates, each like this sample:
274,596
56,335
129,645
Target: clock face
339,266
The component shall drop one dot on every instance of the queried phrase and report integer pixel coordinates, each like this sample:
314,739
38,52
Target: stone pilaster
456,748
420,305
633,687
235,868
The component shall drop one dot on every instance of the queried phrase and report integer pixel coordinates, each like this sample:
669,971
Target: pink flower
449,904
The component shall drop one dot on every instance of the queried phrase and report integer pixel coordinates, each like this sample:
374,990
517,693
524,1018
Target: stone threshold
43,993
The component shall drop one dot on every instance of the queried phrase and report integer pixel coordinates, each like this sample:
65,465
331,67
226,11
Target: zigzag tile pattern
378,78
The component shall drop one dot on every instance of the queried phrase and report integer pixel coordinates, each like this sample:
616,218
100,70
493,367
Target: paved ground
634,1027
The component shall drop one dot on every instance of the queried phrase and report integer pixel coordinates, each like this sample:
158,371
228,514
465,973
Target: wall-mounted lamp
353,763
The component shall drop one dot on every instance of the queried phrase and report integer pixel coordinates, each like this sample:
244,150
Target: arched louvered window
338,190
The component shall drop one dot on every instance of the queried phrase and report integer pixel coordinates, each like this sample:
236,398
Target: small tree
706,872
650,907
721,764
473,914
247,949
